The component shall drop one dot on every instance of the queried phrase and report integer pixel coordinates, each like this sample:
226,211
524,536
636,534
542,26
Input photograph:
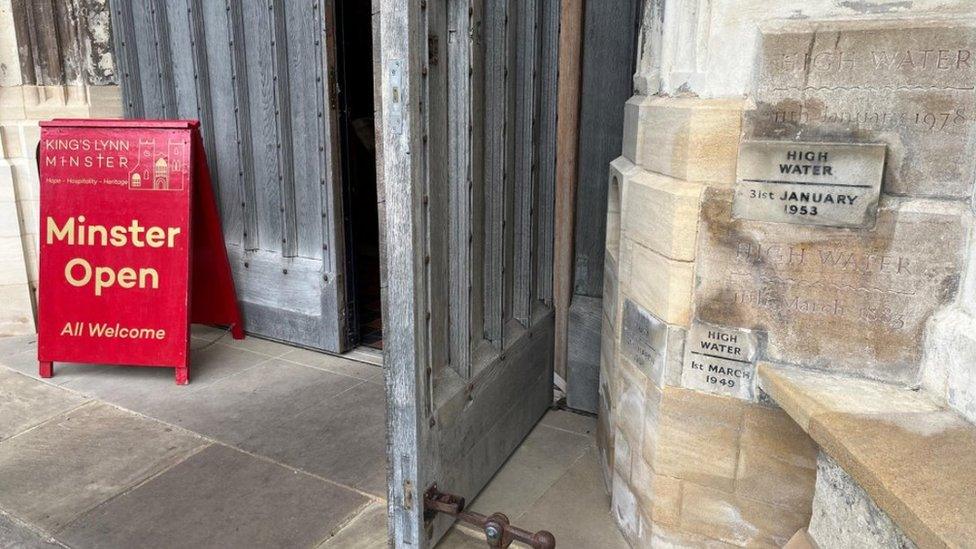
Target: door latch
497,529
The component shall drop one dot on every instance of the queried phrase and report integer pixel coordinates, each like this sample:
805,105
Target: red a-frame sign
131,248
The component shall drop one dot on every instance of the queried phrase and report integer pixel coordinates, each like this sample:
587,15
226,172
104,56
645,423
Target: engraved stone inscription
720,360
830,184
643,339
907,84
827,298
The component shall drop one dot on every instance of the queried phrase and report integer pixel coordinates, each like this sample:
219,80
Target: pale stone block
661,213
652,415
773,432
610,291
662,286
685,138
620,170
31,258
697,438
105,102
907,84
74,101
629,413
16,310
29,211
949,364
623,455
662,536
9,56
847,301
777,460
12,103
12,267
659,496
625,510
604,432
801,540
9,220
736,520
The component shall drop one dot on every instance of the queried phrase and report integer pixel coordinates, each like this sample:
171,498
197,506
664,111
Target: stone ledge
914,458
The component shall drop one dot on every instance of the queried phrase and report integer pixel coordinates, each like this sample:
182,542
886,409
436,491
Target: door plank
459,181
477,189
305,61
126,57
283,128
182,67
496,78
402,39
242,99
261,82
435,133
223,156
150,75
201,77
549,64
525,101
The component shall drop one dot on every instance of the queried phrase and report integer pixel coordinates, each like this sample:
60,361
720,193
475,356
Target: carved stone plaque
910,84
831,184
643,339
720,360
854,301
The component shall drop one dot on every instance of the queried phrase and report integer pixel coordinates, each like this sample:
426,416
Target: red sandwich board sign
131,247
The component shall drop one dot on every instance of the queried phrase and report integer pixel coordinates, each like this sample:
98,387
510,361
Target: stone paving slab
348,446
14,535
147,389
541,459
219,497
366,531
576,508
25,402
73,462
335,364
570,421
233,408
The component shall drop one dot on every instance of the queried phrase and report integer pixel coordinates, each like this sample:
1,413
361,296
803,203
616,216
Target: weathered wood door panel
468,135
255,73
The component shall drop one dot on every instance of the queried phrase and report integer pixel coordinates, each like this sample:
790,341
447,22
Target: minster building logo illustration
156,171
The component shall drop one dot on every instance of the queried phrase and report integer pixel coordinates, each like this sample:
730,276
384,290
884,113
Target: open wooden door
467,95
255,74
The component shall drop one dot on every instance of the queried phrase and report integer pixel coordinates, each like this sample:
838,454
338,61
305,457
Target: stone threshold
915,458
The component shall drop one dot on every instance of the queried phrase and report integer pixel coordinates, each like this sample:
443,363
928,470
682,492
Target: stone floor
269,446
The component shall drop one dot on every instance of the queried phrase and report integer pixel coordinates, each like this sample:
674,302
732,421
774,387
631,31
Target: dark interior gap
357,145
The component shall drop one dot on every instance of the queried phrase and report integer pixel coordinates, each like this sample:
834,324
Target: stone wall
42,78
845,517
686,466
703,277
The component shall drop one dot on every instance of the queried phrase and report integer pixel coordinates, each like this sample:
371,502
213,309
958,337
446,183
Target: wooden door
467,94
255,73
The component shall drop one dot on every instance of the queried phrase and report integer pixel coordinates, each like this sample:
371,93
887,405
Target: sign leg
182,375
45,369
237,331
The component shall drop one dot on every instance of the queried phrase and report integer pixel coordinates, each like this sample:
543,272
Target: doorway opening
357,146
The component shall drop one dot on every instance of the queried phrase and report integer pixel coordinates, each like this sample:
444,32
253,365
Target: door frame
398,60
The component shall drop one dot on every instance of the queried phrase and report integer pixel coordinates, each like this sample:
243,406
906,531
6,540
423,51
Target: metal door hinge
499,532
